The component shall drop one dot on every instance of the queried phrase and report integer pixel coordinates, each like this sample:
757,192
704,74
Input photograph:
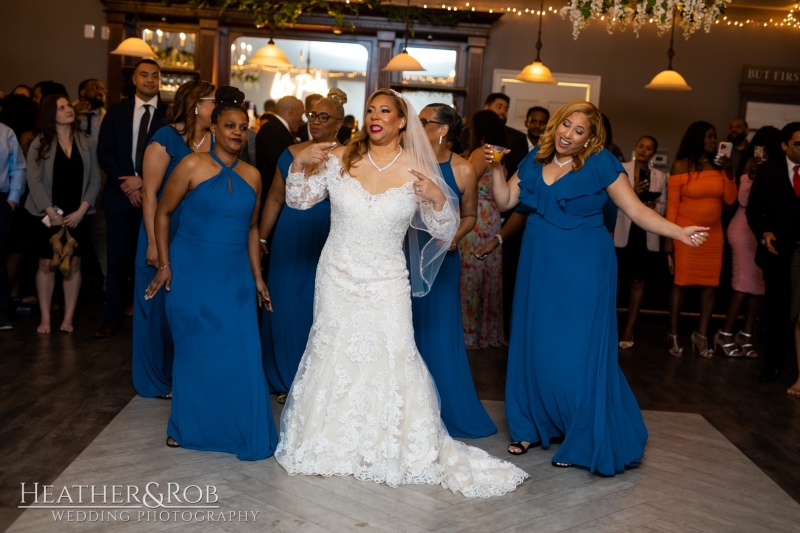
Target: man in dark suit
125,131
304,132
274,137
773,213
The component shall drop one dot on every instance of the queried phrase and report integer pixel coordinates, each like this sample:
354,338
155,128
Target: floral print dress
482,280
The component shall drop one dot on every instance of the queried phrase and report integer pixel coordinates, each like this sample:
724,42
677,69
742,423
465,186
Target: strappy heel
700,345
674,348
746,347
725,342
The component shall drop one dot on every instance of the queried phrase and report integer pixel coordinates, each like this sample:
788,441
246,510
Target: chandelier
619,14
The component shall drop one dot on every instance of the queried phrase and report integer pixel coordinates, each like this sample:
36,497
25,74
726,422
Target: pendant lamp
536,72
404,62
669,79
133,46
270,55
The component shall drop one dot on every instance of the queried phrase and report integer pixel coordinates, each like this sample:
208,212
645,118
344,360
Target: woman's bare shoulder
680,166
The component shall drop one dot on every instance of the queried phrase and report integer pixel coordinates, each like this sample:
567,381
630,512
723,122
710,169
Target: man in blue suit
126,129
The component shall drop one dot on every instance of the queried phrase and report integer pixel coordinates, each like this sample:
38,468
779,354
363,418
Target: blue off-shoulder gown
564,377
151,363
297,243
220,400
439,334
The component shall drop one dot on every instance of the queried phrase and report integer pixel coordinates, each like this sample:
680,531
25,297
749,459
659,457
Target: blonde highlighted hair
359,144
597,139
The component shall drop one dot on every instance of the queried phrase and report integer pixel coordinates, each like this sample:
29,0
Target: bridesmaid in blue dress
438,330
185,131
297,242
212,276
564,378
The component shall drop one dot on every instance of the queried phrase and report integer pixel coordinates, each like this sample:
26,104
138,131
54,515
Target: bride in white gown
363,402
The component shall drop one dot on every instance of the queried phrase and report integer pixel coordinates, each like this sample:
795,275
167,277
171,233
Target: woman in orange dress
699,184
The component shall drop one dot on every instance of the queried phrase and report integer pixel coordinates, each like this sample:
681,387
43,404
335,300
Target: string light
790,21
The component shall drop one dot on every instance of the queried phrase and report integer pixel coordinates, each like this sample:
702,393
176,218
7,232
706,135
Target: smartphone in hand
725,150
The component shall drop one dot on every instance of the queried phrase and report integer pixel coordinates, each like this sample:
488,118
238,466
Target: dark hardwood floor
58,391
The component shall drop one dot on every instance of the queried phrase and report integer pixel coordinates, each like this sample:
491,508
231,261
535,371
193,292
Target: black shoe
768,375
5,323
16,305
106,330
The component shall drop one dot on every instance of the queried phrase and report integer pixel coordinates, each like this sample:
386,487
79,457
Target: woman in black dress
63,178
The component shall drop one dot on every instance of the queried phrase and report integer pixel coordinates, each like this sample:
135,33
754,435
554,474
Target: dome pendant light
669,79
536,72
404,62
270,55
135,47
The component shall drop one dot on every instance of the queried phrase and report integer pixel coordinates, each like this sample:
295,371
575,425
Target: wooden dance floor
691,479
722,455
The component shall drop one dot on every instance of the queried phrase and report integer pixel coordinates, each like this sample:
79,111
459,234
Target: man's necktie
142,138
89,117
796,180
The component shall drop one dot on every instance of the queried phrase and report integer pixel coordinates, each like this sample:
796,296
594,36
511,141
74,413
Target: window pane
440,67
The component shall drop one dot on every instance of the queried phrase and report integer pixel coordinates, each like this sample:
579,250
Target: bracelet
499,238
165,266
263,241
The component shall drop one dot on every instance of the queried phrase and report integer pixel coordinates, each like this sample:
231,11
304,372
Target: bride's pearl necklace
387,166
559,163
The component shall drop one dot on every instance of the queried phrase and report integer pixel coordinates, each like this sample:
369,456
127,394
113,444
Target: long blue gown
564,377
294,253
151,363
439,334
220,399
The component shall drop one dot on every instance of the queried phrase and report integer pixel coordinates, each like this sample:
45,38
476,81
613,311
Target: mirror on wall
316,66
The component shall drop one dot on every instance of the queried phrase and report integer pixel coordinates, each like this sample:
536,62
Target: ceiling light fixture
536,72
404,62
270,55
669,79
135,47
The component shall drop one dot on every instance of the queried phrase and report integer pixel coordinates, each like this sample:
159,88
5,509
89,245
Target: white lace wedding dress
363,402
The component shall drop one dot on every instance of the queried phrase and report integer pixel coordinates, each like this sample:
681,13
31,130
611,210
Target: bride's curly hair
597,139
359,144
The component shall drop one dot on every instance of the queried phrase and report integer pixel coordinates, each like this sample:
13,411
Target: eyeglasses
207,99
796,144
323,117
425,122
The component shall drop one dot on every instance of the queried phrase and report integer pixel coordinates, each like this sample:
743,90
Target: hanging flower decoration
693,14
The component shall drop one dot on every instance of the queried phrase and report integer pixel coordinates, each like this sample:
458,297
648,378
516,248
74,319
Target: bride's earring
440,139
586,145
195,110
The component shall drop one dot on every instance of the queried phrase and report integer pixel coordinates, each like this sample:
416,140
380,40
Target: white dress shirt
791,164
